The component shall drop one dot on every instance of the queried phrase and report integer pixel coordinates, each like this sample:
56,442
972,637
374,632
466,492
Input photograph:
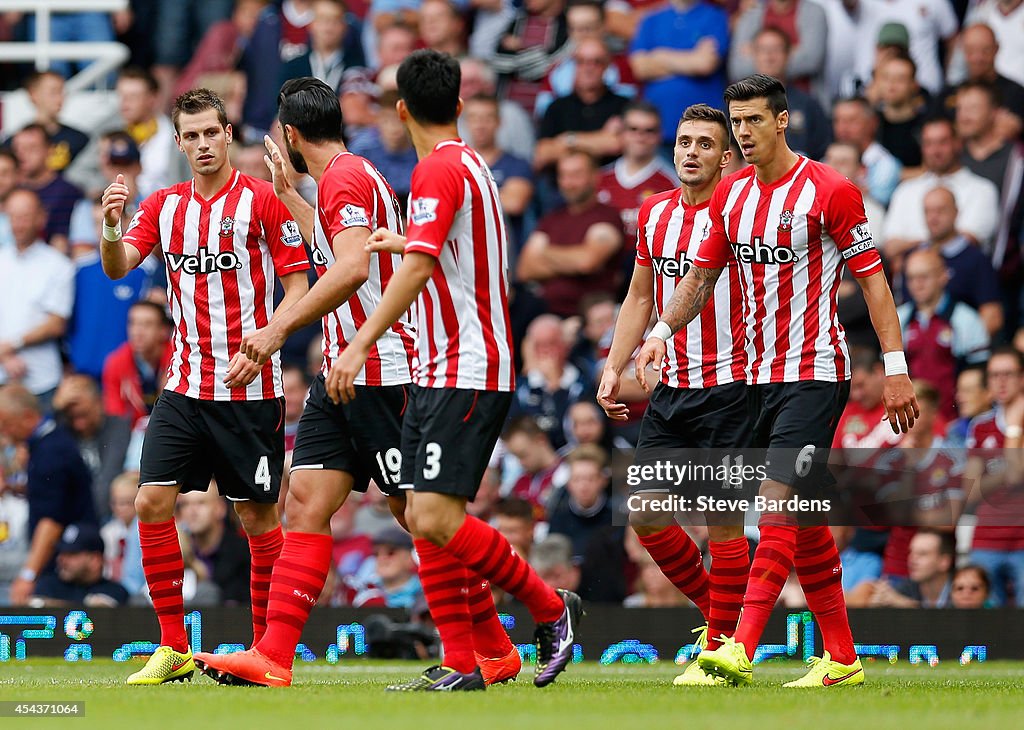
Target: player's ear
726,158
458,108
177,141
403,110
782,121
229,133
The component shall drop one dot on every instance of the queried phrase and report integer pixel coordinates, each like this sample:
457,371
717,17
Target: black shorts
362,438
698,418
796,422
239,443
448,436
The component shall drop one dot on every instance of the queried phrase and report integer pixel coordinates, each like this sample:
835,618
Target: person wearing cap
118,155
79,576
924,24
394,582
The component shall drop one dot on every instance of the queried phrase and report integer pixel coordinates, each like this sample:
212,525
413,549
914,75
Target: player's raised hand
259,346
278,169
382,240
900,403
113,201
653,354
241,371
607,397
340,382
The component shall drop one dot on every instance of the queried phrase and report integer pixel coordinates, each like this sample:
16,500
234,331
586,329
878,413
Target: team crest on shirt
227,227
290,235
786,221
424,210
354,216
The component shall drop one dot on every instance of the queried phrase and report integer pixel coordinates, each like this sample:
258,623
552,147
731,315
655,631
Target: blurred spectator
102,440
1004,17
583,509
996,546
589,119
977,198
586,21
222,45
31,146
801,22
588,425
922,28
14,537
328,55
903,109
553,560
36,292
134,374
394,582
512,174
490,19
115,532
349,552
374,514
845,158
535,40
972,280
971,587
79,577
980,47
640,171
851,32
8,181
118,155
972,399
550,383
574,250
358,99
940,334
541,466
215,543
514,519
281,34
248,160
930,566
679,53
394,44
388,147
986,153
46,92
653,589
863,424
489,493
442,27
809,130
515,131
296,388
594,334
138,102
855,122
57,483
179,28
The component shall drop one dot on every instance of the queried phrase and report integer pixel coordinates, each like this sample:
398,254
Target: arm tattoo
690,297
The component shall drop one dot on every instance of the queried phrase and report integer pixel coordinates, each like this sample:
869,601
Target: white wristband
111,233
895,363
1014,431
27,574
661,330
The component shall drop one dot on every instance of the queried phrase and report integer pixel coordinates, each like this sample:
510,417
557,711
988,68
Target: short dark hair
995,98
428,82
7,153
312,107
904,59
35,77
939,119
1010,351
641,105
141,74
526,425
772,30
516,508
196,101
977,570
707,113
34,127
595,4
158,309
486,99
864,104
947,541
926,393
759,86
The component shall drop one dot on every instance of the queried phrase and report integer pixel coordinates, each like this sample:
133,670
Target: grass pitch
351,695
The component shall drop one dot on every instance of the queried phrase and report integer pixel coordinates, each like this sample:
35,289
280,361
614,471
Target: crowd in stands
573,104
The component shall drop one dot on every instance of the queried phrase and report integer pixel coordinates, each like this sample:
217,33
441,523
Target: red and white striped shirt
790,239
353,194
464,335
709,350
221,256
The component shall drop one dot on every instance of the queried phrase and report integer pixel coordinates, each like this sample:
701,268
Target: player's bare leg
165,572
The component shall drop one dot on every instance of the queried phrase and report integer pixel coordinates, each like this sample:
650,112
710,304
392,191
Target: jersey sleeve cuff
864,266
422,247
644,262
